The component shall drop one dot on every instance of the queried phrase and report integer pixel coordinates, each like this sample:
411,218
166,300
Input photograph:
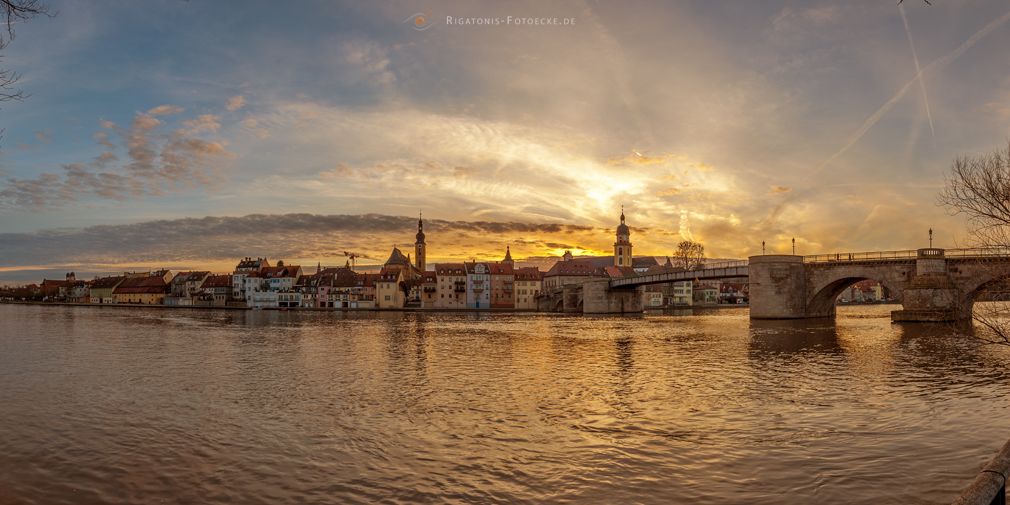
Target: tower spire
419,245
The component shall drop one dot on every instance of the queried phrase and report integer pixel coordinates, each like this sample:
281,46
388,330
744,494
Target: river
114,405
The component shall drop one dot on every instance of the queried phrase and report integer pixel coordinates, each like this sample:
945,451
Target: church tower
419,244
622,248
508,257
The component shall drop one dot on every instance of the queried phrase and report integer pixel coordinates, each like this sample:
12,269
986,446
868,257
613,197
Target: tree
689,255
978,187
14,12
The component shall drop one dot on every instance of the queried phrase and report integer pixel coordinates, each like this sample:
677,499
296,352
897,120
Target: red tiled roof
500,269
217,281
574,268
142,285
367,280
106,282
280,271
446,269
615,272
529,274
182,277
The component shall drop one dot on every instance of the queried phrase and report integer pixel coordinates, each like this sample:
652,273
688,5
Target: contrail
937,63
918,71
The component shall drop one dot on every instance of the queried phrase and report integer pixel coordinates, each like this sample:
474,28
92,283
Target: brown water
112,405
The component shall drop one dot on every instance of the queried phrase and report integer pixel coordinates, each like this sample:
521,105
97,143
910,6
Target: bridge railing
721,264
861,256
978,252
989,486
686,274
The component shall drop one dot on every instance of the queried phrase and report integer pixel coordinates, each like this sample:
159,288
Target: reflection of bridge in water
931,284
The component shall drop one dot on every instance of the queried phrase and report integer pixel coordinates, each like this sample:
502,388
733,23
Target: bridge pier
932,296
778,287
599,298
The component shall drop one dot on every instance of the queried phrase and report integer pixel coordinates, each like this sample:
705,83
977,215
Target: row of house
158,287
399,283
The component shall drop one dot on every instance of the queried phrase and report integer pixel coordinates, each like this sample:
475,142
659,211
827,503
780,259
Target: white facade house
478,286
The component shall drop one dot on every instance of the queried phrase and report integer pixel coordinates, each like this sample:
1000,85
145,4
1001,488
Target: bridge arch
995,282
822,300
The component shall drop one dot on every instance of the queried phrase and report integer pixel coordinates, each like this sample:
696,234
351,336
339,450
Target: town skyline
766,122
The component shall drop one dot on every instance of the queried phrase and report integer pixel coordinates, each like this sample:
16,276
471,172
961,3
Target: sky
188,134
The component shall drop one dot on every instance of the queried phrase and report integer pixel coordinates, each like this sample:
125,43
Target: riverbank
279,309
684,308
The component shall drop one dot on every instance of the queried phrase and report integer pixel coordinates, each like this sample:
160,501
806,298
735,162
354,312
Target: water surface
114,405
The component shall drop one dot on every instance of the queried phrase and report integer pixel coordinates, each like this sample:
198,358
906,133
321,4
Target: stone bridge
931,284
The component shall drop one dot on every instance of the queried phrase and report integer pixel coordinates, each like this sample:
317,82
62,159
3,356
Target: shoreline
320,309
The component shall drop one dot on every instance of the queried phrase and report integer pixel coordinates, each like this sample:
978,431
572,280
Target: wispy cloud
156,162
235,103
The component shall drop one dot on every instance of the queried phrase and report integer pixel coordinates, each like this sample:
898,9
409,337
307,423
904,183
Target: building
342,288
215,291
503,282
502,285
529,283
570,271
705,293
308,286
390,292
652,299
146,288
682,294
78,292
57,289
478,285
622,247
282,277
864,291
735,292
419,246
185,287
451,282
366,290
247,267
429,289
102,288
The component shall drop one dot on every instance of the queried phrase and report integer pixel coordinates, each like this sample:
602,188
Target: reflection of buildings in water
624,391
625,361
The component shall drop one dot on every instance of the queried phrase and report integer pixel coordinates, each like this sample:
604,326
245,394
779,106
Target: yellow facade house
148,288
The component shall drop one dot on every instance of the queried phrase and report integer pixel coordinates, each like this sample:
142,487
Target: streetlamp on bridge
931,237
794,246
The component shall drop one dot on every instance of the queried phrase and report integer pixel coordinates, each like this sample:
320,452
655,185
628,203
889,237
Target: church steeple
419,244
508,256
622,247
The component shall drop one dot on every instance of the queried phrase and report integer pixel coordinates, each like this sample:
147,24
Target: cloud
155,162
44,136
780,189
235,103
274,235
165,110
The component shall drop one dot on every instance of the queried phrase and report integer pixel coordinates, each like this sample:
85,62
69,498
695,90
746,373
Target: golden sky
304,134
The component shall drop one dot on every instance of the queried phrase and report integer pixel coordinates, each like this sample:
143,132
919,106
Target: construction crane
351,256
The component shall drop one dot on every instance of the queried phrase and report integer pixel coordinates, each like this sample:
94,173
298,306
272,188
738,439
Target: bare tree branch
978,187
